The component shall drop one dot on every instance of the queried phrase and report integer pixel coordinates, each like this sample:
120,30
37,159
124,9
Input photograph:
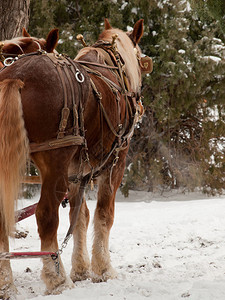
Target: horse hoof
110,274
76,276
68,284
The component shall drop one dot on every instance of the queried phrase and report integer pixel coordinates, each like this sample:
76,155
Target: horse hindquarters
13,154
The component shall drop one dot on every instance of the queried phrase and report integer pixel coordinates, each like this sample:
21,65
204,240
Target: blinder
145,62
146,65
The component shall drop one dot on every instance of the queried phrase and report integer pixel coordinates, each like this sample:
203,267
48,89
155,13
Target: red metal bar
25,212
30,210
13,255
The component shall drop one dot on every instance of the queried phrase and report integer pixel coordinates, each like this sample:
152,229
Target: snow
129,28
169,246
134,10
124,5
213,58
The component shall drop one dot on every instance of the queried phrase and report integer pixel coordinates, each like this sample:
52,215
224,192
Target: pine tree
180,141
177,142
211,9
14,16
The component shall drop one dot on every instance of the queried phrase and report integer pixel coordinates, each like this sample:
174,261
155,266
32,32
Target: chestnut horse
27,44
94,102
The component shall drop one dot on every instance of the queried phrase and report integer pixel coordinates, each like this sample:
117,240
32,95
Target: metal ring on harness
9,61
79,76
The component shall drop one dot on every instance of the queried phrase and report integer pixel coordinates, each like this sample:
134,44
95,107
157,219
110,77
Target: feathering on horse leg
103,221
80,258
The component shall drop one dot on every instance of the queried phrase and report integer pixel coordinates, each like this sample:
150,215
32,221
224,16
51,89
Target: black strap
73,222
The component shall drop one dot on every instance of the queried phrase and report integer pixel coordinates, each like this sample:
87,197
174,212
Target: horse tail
13,150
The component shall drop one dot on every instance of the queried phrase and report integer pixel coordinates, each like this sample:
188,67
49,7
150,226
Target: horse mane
126,50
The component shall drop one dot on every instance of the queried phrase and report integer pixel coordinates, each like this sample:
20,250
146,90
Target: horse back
43,94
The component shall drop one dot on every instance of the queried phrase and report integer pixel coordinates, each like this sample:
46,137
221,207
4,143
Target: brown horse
27,44
76,120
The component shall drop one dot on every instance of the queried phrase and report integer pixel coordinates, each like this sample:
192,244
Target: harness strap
65,110
75,109
84,62
98,169
107,80
99,96
75,113
68,140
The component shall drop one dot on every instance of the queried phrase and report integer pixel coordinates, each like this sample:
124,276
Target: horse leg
7,288
80,258
53,170
103,221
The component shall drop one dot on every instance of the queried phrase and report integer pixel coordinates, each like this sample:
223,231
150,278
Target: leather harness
63,64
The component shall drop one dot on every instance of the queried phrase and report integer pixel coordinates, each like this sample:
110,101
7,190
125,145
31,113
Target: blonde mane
126,50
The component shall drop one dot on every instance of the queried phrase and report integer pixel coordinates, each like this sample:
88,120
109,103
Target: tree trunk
14,15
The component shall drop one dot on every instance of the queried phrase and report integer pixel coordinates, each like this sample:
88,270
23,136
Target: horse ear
25,33
107,25
137,32
52,40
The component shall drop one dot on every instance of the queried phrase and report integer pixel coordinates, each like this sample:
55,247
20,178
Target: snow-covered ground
167,247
